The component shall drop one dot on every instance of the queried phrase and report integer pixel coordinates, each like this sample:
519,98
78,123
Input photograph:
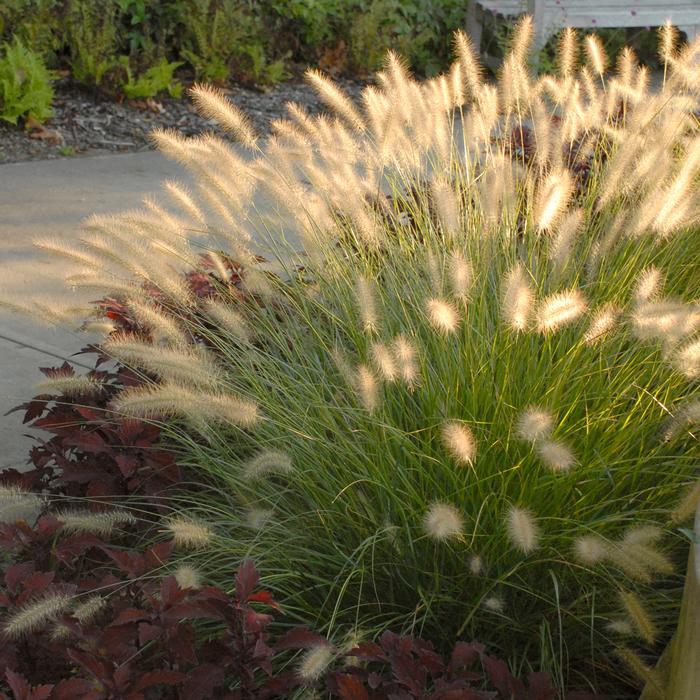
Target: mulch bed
88,124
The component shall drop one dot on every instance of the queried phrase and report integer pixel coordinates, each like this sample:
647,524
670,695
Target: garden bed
86,124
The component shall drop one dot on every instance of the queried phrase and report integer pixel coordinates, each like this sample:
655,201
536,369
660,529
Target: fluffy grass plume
35,614
82,520
187,576
544,254
523,531
18,504
188,533
459,442
443,522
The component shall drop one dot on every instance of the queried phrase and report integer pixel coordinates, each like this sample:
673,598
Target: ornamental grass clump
456,377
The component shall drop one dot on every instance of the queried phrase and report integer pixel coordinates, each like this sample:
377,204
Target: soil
88,124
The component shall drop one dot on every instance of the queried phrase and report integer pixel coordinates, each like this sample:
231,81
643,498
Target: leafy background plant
25,84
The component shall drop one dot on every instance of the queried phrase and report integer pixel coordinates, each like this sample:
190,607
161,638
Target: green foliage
25,84
224,38
92,40
158,78
36,22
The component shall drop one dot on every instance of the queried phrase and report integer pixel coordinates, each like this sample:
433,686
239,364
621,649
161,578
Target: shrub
25,84
460,403
158,78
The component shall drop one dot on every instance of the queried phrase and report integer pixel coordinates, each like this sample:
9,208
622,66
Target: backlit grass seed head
650,677
335,98
446,205
267,462
559,310
639,617
212,103
89,609
442,315
36,614
468,60
620,627
405,354
187,577
385,362
604,320
230,320
562,244
687,359
258,518
567,52
82,520
517,299
595,54
649,285
552,199
189,534
494,604
535,424
687,506
523,531
461,275
162,326
556,455
77,385
367,304
367,388
315,662
459,442
18,504
476,565
668,41
590,549
443,522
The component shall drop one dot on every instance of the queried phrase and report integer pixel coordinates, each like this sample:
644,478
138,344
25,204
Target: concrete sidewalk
50,198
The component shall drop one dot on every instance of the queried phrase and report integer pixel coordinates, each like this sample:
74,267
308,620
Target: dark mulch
87,124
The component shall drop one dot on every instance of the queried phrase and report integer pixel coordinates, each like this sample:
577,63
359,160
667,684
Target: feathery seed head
443,522
461,275
187,577
18,504
89,609
688,505
228,319
385,362
494,604
535,424
267,462
367,388
601,324
476,565
70,385
621,627
567,51
649,285
687,359
517,299
552,199
446,205
468,59
523,531
98,523
639,617
212,103
315,662
595,54
257,518
442,315
668,41
405,354
335,98
35,614
188,533
590,549
560,309
556,455
459,442
367,305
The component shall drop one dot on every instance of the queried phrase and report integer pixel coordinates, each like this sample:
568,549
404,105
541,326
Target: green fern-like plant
25,84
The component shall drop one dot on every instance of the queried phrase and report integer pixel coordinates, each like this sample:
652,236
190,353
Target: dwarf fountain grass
460,265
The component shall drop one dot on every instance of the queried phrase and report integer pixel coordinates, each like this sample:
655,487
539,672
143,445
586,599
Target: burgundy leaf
202,681
247,578
162,677
350,687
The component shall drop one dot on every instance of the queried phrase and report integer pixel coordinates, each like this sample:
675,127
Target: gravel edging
84,124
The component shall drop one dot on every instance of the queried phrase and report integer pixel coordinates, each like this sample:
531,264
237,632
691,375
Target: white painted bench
552,15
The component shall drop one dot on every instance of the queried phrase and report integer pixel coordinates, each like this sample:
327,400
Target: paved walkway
51,198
